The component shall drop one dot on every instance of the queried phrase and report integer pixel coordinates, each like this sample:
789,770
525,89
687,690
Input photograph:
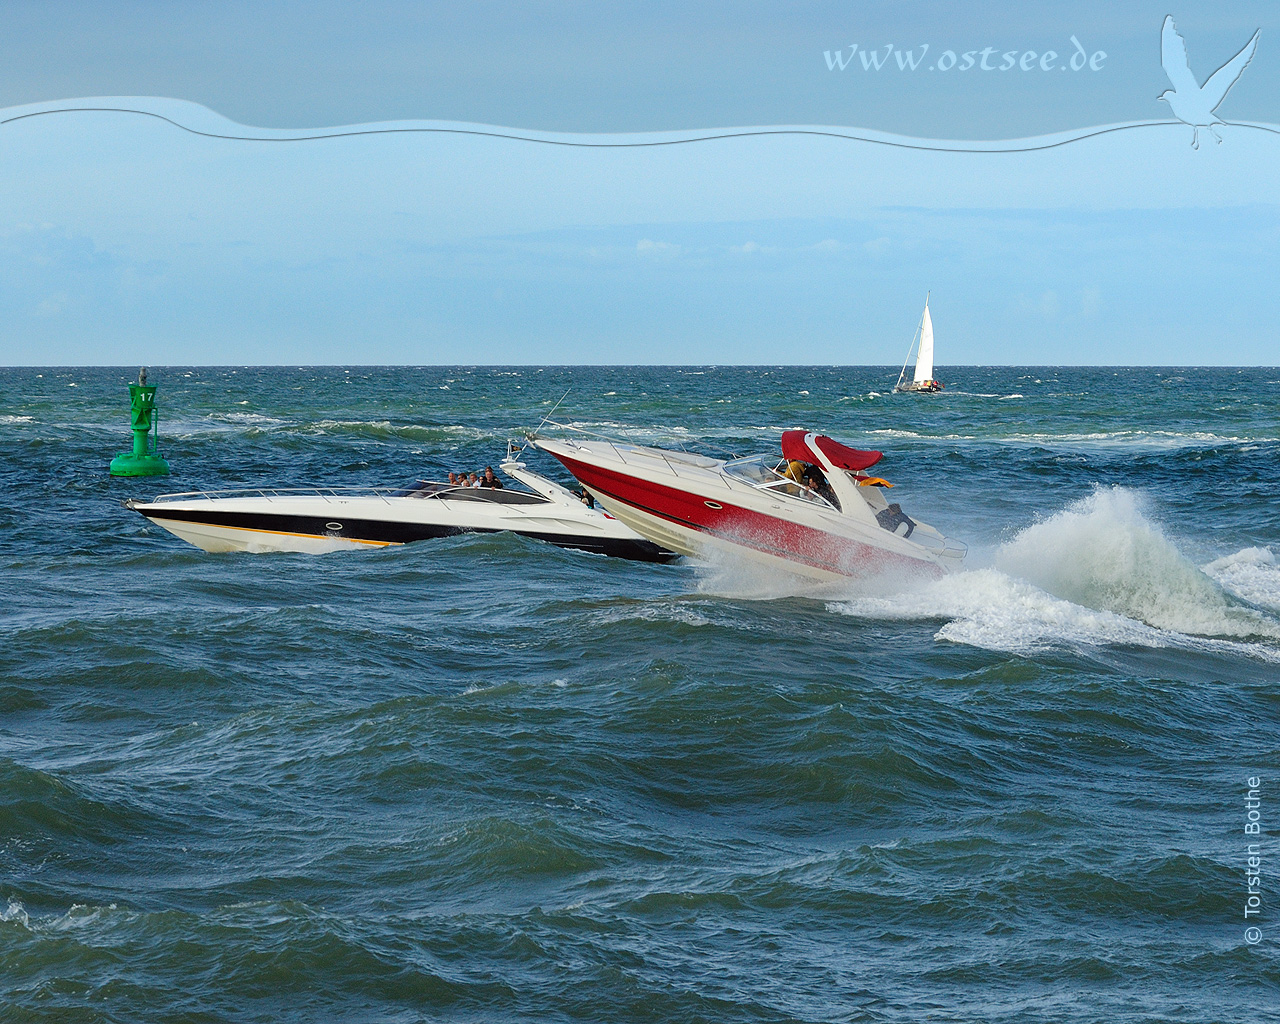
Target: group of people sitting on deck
485,479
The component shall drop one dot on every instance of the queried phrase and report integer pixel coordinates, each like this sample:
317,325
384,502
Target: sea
484,779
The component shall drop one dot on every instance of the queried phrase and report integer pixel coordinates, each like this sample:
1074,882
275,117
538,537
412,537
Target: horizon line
656,366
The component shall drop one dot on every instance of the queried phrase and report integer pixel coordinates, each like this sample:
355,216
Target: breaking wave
1103,552
242,418
1251,574
1099,572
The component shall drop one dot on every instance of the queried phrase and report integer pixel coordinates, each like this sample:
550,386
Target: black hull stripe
383,532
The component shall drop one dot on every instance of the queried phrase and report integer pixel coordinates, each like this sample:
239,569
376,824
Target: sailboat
923,380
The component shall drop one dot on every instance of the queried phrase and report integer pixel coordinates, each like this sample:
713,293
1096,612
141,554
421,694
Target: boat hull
316,525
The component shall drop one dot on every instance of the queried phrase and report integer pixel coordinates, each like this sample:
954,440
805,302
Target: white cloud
650,249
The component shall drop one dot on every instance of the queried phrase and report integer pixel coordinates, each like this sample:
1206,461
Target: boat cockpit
452,492
766,473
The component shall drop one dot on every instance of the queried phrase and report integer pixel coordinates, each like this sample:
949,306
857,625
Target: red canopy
799,445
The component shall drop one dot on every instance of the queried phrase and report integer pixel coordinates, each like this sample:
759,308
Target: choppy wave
481,778
1105,552
1100,572
1129,440
387,430
1251,574
240,418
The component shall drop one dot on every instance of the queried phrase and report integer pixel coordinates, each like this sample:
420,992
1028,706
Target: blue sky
124,240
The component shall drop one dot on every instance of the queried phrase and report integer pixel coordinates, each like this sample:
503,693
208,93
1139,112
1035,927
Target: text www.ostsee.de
989,58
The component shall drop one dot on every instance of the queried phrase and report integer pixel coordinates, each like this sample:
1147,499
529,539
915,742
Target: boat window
417,490
765,473
759,470
490,496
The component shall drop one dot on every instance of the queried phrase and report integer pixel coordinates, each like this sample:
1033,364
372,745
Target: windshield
766,473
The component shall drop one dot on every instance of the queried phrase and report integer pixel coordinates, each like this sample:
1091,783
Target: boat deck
423,489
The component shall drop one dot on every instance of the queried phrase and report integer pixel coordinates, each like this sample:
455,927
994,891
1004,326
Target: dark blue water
484,779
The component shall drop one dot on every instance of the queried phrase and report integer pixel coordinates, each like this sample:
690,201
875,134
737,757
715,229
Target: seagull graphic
1191,102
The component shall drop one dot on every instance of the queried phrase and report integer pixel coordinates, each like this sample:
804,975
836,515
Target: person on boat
816,481
893,517
489,480
795,471
472,480
587,499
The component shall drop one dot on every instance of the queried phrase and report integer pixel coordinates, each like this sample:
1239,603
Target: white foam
989,609
659,612
1130,439
1251,574
331,424
242,417
723,573
7,419
1099,573
15,912
1103,552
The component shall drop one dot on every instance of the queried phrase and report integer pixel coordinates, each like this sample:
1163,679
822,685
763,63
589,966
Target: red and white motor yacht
827,525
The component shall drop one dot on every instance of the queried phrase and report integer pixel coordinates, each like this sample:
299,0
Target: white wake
1100,572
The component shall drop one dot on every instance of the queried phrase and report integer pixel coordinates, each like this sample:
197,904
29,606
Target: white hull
322,520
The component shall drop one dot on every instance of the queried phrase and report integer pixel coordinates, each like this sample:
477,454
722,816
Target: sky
125,239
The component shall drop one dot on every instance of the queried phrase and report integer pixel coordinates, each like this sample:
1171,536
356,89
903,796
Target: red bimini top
800,445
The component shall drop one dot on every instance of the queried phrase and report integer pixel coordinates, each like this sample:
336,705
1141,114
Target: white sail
924,360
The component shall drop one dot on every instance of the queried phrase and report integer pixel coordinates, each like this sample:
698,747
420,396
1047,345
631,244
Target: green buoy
143,460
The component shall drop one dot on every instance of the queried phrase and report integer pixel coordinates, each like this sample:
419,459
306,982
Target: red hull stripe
742,526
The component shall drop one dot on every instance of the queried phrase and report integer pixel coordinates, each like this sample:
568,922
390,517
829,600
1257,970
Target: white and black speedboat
815,512
320,519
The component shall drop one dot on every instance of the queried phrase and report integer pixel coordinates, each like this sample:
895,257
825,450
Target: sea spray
1100,572
722,572
1104,552
988,609
1251,574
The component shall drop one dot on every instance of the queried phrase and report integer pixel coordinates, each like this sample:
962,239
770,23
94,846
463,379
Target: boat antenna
512,451
912,346
550,414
